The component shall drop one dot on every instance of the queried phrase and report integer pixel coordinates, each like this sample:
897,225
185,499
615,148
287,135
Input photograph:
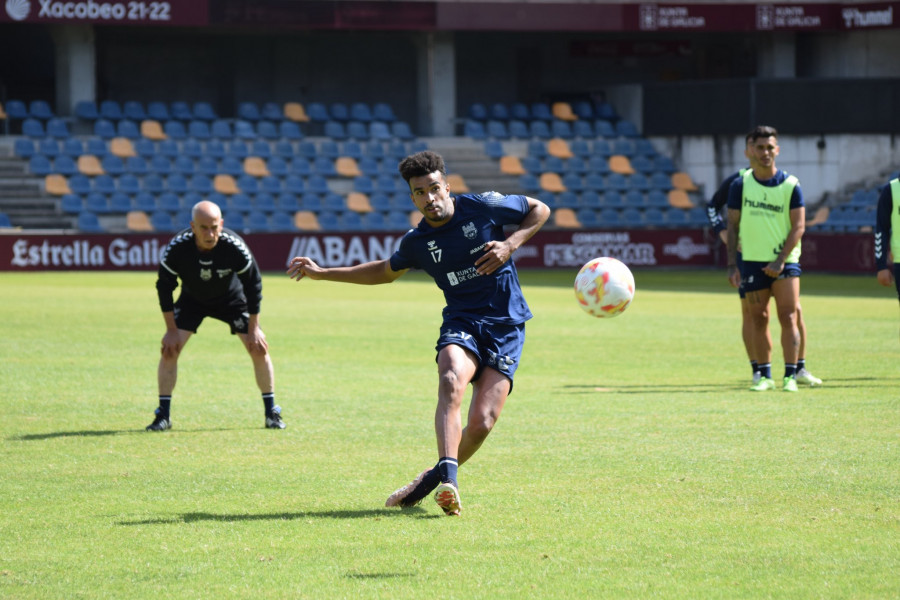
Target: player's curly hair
421,163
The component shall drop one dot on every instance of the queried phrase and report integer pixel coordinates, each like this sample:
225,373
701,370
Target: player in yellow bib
887,238
766,220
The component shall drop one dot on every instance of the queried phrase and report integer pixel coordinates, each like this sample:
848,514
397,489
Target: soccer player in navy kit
460,243
887,240
219,279
714,214
767,218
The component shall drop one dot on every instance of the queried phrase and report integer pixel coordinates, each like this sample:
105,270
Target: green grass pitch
631,461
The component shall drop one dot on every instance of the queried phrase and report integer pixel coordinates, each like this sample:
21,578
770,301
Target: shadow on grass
643,388
416,511
30,437
378,575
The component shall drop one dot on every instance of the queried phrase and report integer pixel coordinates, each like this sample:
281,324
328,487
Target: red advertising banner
548,249
107,12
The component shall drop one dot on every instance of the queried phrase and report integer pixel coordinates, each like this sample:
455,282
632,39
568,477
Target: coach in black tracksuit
219,279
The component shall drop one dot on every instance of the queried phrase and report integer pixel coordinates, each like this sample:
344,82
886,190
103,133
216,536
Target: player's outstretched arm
370,273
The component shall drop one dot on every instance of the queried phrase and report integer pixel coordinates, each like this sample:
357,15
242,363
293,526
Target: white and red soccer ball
604,287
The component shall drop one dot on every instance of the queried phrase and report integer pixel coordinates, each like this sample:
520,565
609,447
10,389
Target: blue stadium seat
128,183
238,149
577,164
634,197
72,204
360,111
112,164
541,111
16,109
65,165
268,130
168,201
248,111
478,111
33,128
152,183
96,203
86,110
199,130
300,166
49,147
594,181
287,202
554,164
221,130
402,131
381,111
519,130
626,128
111,110
162,221
561,129
339,112
204,111
639,181
243,130
317,112
271,111
609,217
4,221
654,217
265,202
23,148
540,129
160,165
591,199
281,221
73,147
128,129
623,146
247,184
583,109
573,182
474,129
40,165
200,183
583,130
215,149
642,163
494,149
604,129
158,111
663,163
57,128
88,222
657,198
175,129
192,148
567,199
207,165
380,131
632,217
357,130
278,167
177,183
369,166
290,130
588,217
261,149
80,184
529,183
660,181
519,111
613,199
335,130
134,110
183,164
364,184
497,130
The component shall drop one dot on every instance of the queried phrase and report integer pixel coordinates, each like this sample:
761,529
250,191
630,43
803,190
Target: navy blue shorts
753,279
897,278
189,313
497,346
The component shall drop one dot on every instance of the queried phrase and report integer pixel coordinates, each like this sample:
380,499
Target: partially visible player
461,244
766,219
887,242
714,209
219,279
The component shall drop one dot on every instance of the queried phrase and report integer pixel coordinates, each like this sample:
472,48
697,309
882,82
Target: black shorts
754,279
189,313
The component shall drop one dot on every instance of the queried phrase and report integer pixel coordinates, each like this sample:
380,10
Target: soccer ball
604,287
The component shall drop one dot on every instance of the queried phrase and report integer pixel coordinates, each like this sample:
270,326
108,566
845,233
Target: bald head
206,223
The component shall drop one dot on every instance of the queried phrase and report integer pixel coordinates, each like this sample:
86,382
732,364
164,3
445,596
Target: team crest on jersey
470,231
205,274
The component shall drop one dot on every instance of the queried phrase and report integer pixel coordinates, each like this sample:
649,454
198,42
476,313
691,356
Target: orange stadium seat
347,166
138,220
552,182
256,166
565,217
122,147
89,165
359,202
57,185
225,184
563,110
680,199
559,148
683,181
511,165
305,220
152,130
457,183
619,163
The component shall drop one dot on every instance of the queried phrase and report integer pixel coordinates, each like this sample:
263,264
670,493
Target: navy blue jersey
211,278
883,228
736,190
448,253
718,201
